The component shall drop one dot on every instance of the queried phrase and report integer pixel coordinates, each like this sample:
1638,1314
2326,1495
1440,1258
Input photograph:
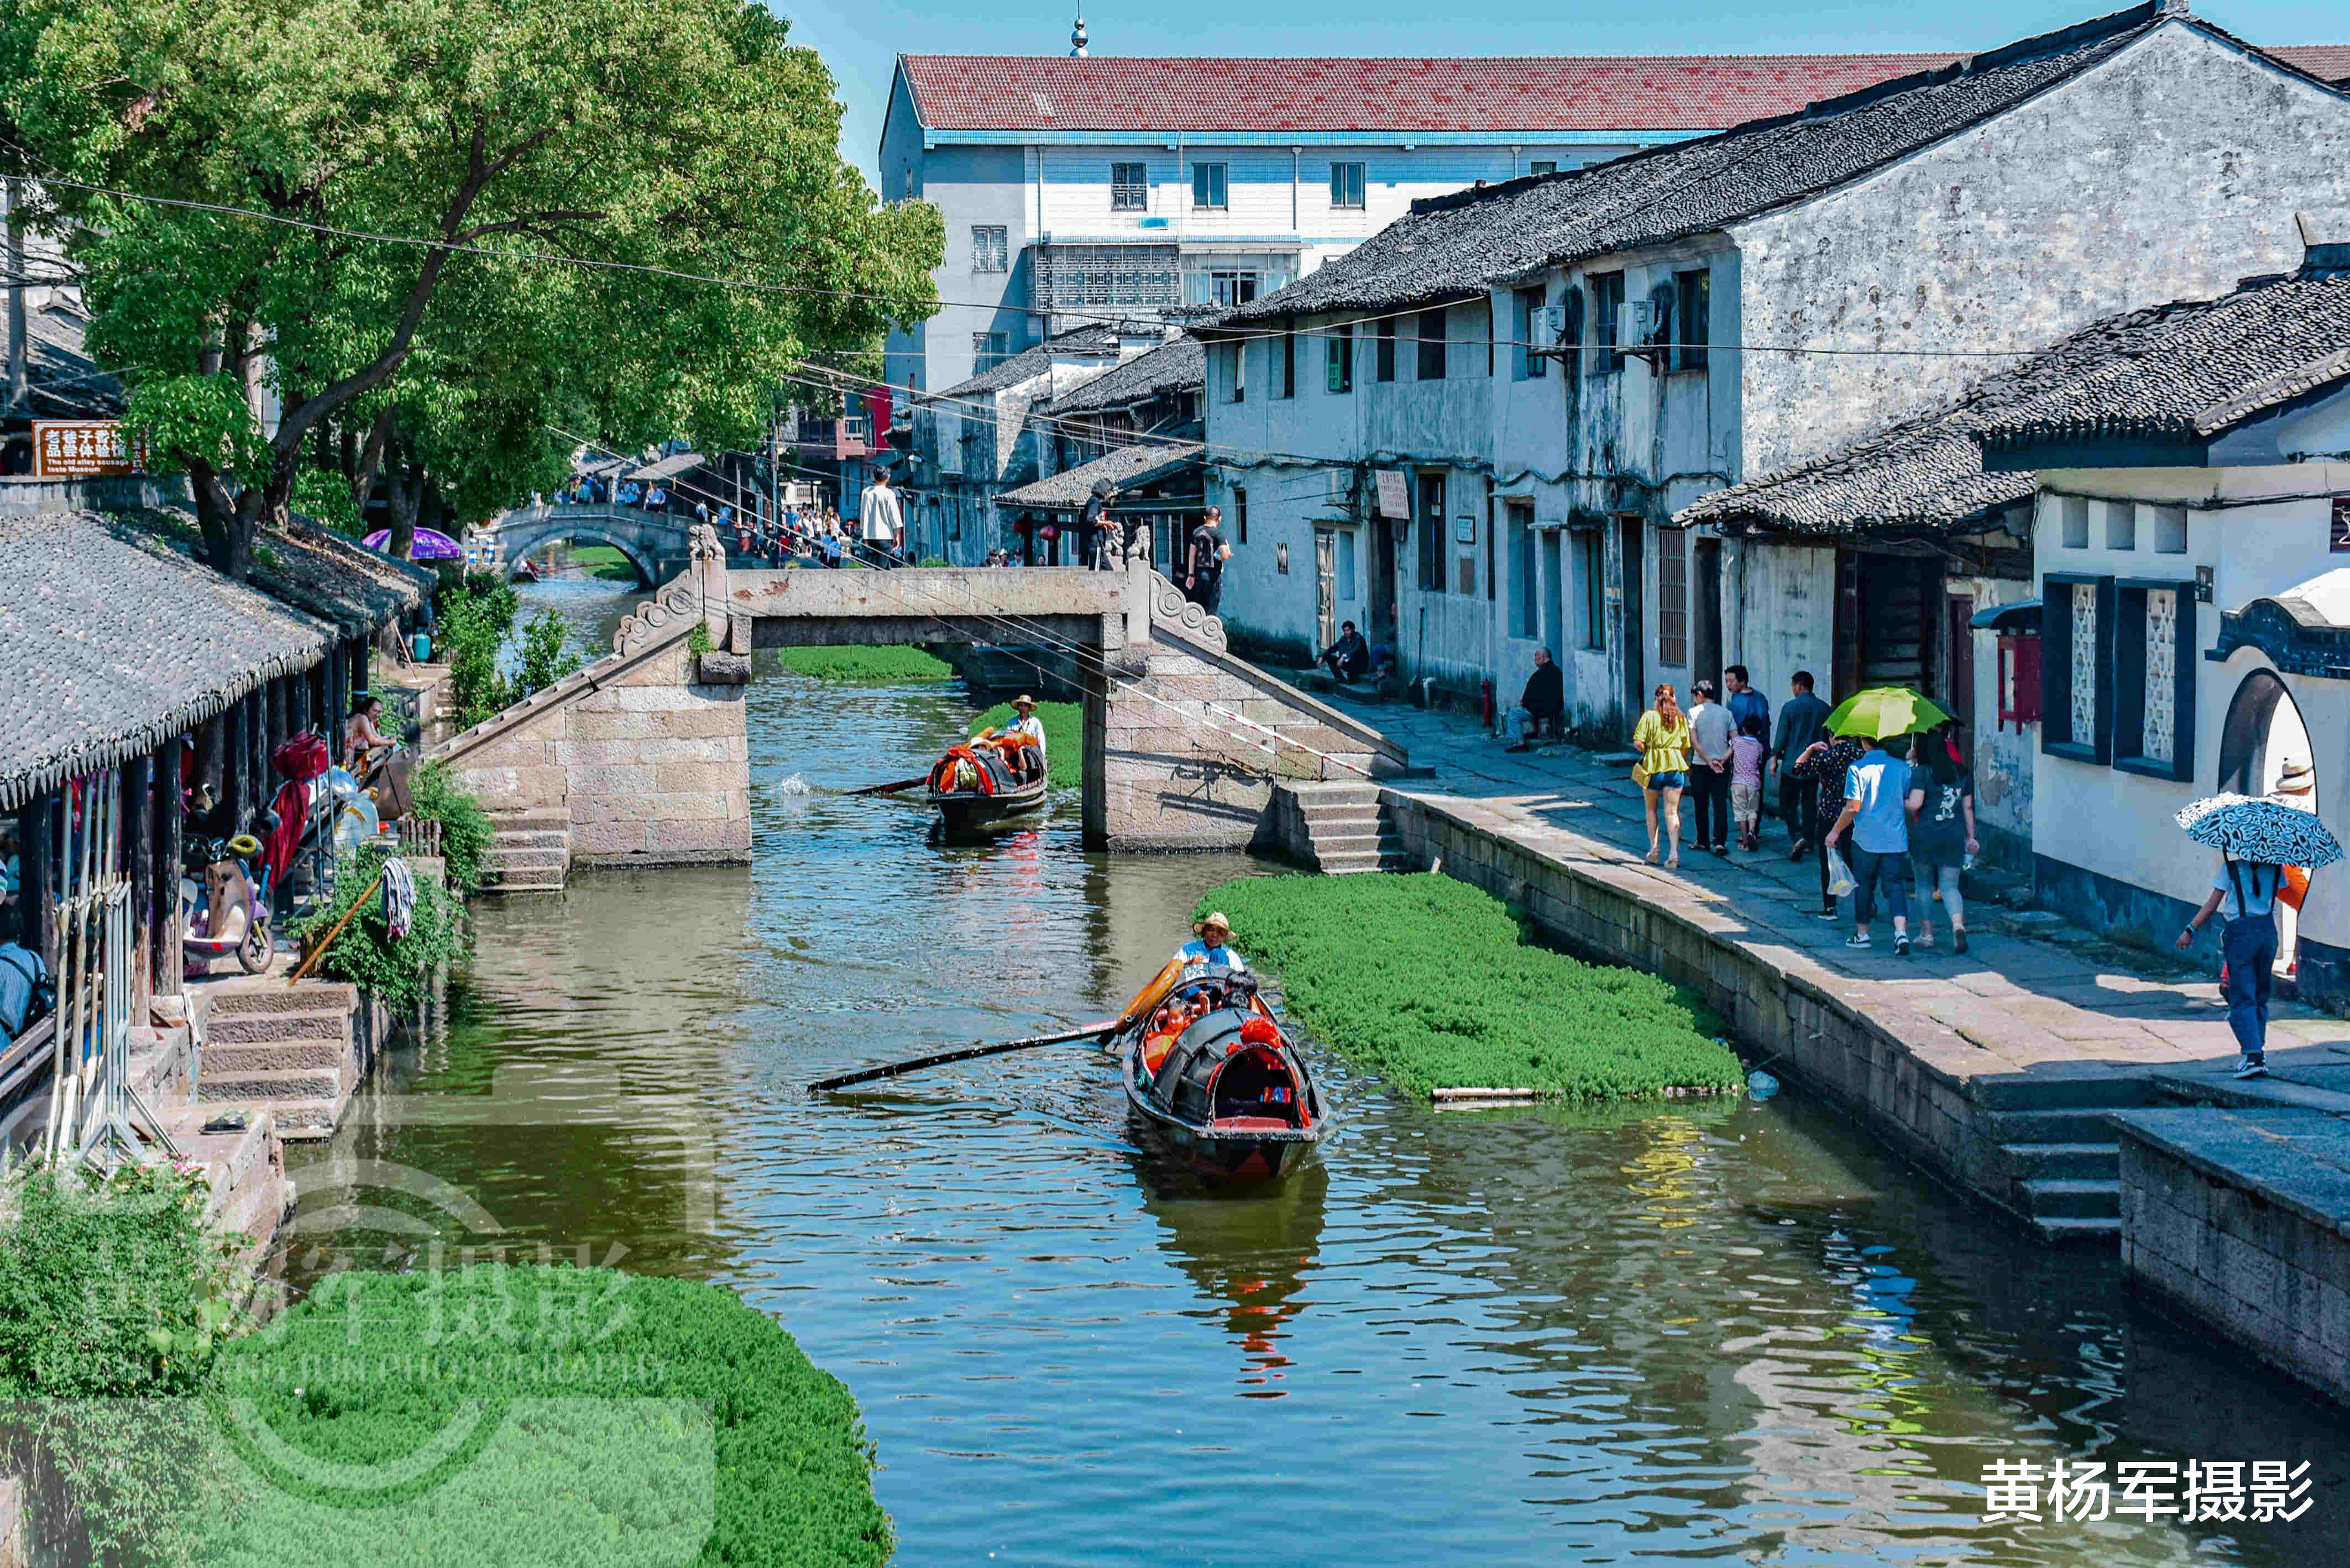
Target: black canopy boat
992,784
1209,1071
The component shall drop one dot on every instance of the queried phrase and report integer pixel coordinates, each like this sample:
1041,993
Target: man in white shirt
1211,944
1028,725
882,522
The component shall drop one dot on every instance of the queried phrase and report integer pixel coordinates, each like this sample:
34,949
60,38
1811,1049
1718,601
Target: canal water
1665,1333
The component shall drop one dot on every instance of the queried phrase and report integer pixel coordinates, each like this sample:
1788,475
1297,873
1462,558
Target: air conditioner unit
1635,323
1551,319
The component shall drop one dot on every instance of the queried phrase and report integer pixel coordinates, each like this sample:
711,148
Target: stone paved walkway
2037,997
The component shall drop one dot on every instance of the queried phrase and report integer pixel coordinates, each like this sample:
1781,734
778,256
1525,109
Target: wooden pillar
281,707
298,702
138,827
164,959
236,760
256,741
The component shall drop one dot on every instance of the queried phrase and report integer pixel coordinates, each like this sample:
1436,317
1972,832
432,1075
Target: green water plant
568,1415
878,665
1435,984
465,827
363,952
1064,738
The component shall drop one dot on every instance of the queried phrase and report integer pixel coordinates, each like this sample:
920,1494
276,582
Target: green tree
659,134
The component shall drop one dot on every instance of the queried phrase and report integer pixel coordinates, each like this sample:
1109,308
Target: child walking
1747,750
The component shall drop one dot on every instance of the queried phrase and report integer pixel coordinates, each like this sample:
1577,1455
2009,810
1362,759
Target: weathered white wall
2168,171
2119,825
2003,756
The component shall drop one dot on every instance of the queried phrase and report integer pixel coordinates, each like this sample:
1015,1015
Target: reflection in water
1248,1248
1707,1330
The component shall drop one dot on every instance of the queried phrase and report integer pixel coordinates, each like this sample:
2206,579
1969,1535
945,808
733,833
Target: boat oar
892,1069
893,788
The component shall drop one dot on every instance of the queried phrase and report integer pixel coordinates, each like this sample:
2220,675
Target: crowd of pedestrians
1887,821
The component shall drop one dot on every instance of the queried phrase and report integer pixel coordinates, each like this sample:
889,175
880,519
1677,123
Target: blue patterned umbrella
2265,832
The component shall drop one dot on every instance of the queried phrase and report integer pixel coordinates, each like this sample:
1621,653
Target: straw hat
2298,778
1215,922
1024,702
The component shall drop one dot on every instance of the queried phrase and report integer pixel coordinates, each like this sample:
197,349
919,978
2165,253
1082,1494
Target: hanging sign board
1394,498
76,448
1464,529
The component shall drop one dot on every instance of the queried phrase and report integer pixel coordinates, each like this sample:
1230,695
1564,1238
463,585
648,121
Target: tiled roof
1109,92
336,580
1128,468
2184,371
1458,246
1170,368
1035,361
114,640
2330,62
2188,373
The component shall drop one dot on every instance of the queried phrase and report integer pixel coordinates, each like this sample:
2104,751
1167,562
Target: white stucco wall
2119,825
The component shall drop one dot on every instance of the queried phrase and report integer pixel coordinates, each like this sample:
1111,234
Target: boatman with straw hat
1211,944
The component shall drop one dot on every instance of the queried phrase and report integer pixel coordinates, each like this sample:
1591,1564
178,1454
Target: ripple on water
1702,1331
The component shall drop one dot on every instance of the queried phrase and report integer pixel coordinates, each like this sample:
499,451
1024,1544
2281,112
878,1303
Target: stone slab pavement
2037,994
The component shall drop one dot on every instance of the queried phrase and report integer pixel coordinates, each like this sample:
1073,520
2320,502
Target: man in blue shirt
1799,725
1743,701
1876,808
1209,945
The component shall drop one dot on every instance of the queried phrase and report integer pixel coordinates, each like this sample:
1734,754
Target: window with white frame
2075,520
1542,166
990,247
2154,678
1129,188
1211,187
1347,186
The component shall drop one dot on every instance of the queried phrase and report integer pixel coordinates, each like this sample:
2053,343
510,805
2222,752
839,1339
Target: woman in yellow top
1662,739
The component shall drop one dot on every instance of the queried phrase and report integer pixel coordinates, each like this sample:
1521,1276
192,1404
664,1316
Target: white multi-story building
1080,189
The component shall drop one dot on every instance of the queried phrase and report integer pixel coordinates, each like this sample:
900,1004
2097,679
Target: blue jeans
1673,778
2251,946
1890,872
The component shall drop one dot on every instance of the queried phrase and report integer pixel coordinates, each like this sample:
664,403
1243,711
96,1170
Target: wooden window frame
1338,358
2128,659
1129,195
2058,674
1432,351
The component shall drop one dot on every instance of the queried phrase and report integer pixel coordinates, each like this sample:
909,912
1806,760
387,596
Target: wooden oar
893,788
892,1069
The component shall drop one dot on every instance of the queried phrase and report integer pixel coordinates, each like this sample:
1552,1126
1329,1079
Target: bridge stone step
514,860
530,838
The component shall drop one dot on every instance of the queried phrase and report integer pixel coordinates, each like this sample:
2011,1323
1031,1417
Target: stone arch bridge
642,758
658,544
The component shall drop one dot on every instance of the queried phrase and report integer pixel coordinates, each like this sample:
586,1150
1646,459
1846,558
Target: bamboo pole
357,905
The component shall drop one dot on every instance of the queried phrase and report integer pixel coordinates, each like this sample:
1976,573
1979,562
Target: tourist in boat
1027,723
1211,944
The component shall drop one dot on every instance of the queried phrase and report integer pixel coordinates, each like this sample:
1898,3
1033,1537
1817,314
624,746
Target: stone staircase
529,853
1343,827
2062,1157
247,1194
287,1051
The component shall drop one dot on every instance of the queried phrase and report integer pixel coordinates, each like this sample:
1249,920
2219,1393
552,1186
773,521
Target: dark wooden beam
138,829
170,815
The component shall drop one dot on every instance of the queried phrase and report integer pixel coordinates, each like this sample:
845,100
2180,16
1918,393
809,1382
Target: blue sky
861,39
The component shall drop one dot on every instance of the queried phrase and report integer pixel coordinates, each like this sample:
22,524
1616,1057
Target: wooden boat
1210,1072
987,786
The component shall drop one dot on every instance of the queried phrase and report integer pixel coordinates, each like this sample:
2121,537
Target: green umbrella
1883,711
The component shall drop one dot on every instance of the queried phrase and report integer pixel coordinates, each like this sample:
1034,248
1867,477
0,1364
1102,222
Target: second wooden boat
987,786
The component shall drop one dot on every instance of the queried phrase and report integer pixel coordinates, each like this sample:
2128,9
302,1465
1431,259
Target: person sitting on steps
1542,706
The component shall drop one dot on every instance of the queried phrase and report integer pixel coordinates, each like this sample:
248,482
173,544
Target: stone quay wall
2237,1220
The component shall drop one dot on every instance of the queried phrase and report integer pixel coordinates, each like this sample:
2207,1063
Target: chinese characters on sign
76,448
1394,500
2265,1491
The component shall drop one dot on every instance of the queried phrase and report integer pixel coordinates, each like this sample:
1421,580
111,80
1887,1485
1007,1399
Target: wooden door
1325,584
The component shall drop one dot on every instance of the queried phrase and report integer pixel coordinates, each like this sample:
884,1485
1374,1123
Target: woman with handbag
1662,739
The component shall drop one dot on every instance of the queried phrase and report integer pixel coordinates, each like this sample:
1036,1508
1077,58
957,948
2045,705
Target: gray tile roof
1035,361
65,383
1162,372
2192,371
1128,468
113,641
336,580
2179,372
1461,246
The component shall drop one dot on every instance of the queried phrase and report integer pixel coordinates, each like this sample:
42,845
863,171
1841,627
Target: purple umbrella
431,544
